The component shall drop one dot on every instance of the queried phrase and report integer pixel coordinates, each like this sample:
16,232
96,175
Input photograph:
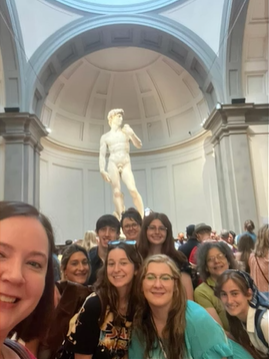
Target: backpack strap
258,317
18,348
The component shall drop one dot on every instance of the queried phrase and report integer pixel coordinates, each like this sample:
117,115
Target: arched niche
83,37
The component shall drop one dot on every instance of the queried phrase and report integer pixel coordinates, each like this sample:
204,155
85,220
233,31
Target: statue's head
113,113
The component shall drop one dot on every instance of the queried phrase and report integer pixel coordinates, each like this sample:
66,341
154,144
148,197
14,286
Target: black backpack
262,308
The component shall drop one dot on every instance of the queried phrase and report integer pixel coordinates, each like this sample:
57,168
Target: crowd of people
130,290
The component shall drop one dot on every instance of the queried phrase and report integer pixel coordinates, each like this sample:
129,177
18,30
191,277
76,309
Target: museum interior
192,79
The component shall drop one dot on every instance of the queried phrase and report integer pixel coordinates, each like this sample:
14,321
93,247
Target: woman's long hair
108,294
173,332
245,246
168,247
236,328
36,324
262,242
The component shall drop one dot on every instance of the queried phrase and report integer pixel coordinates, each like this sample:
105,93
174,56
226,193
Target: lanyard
159,339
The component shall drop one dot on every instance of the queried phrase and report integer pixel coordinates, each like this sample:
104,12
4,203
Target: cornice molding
22,128
235,119
84,152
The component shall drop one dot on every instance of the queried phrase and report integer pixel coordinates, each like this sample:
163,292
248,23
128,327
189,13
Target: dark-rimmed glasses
130,226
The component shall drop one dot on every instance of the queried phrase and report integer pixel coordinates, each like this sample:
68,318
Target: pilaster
22,133
229,126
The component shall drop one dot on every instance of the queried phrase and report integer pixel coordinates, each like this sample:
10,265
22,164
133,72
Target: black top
188,247
86,337
95,263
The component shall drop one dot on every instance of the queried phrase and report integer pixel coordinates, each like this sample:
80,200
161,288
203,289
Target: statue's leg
128,178
118,198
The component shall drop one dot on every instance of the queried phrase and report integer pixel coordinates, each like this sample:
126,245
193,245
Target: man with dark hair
191,241
107,229
196,234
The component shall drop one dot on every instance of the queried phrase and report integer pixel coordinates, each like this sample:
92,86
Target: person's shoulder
92,302
93,252
202,288
195,311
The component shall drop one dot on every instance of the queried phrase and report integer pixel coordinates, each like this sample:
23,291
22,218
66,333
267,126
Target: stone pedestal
22,133
229,126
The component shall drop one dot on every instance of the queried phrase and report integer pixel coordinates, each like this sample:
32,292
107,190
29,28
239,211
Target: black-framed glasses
131,226
117,242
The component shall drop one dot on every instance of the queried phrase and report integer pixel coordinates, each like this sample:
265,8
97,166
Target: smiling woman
156,237
26,275
75,265
247,311
213,259
166,325
103,325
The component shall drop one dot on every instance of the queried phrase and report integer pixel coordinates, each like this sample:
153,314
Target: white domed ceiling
161,101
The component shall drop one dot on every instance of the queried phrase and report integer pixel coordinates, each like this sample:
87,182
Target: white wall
259,150
181,183
255,53
2,167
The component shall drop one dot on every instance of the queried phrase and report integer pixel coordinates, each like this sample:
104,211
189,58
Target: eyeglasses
130,226
164,278
157,229
115,243
219,257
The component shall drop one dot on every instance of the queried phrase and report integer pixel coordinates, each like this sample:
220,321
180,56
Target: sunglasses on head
115,243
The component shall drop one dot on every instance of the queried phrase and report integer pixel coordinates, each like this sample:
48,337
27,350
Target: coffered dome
161,100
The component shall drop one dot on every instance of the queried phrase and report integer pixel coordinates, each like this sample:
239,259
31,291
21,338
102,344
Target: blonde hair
176,322
89,240
113,113
262,242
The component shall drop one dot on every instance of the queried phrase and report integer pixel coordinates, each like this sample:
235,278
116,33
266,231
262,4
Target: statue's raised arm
117,140
132,136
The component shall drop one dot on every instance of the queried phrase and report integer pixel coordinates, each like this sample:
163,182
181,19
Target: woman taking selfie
166,325
26,276
103,325
247,311
157,238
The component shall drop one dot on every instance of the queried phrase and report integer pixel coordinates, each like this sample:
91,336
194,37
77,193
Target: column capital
229,119
22,128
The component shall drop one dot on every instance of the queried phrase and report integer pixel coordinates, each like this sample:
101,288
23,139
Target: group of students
140,305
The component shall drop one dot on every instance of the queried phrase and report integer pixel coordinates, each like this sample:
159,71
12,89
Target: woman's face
158,285
120,270
24,253
77,269
156,232
234,300
131,229
216,262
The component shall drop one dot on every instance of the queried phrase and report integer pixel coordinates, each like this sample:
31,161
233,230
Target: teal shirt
204,339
